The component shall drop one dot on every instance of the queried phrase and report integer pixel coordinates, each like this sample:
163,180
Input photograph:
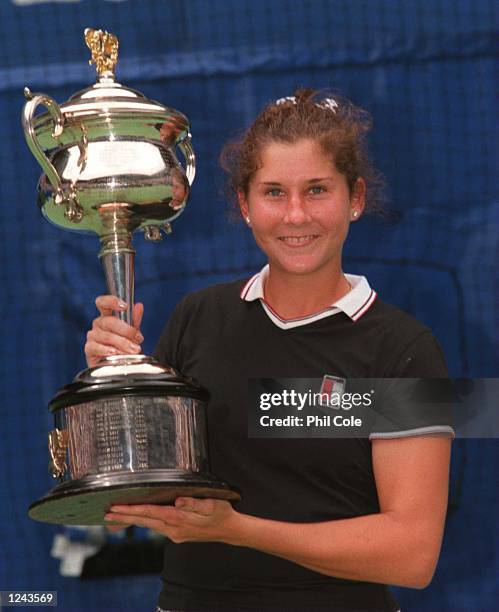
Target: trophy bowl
130,430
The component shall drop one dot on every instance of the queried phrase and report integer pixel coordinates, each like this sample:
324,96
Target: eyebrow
313,180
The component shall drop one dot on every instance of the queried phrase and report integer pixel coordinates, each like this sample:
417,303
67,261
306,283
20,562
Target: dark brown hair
335,123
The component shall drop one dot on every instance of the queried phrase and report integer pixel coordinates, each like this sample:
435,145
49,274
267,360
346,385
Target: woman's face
300,208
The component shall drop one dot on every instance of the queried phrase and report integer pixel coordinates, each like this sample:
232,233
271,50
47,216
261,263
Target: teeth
296,239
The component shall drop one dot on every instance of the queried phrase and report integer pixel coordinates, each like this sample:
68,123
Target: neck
292,295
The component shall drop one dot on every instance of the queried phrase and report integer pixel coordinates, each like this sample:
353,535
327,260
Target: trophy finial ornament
104,48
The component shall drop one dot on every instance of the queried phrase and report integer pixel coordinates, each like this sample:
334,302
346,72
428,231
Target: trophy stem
118,256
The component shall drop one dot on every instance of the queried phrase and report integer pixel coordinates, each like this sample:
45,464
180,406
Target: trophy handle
190,157
33,101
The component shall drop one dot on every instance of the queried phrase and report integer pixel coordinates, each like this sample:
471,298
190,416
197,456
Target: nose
296,212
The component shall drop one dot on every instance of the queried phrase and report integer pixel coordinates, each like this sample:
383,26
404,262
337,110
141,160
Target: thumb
138,313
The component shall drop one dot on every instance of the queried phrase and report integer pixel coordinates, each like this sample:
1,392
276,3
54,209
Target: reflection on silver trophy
130,430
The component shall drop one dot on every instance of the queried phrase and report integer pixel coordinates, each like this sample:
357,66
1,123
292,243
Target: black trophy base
86,501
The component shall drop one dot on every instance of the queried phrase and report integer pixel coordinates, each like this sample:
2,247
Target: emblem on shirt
332,389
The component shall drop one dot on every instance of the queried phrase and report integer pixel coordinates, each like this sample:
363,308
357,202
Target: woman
324,524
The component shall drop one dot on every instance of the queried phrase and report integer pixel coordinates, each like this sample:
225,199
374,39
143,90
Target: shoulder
214,302
393,321
199,314
222,294
407,346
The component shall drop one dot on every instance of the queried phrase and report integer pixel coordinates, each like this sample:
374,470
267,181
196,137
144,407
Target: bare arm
399,545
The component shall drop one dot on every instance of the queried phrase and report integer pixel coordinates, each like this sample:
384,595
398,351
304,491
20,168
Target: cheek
335,217
264,216
262,239
261,231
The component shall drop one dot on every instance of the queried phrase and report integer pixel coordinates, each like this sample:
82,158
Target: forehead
294,160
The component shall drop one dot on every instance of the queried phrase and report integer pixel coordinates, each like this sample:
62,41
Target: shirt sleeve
418,398
422,358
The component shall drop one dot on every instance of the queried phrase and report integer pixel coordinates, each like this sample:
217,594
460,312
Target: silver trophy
130,430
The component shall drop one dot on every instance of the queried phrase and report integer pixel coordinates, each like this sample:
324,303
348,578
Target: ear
358,199
243,204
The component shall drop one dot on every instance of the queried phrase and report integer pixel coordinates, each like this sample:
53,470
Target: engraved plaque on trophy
130,430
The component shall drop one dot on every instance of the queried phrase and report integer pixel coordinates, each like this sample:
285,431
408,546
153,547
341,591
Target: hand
190,520
111,336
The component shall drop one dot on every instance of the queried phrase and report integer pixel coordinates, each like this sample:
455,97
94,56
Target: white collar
354,304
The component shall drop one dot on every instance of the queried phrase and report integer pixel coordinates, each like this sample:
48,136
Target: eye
317,190
273,192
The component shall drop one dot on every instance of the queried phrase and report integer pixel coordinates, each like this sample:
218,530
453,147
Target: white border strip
418,431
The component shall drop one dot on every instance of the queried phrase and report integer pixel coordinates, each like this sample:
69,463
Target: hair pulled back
336,124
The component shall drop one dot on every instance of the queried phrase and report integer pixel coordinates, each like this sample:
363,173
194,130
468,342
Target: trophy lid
107,96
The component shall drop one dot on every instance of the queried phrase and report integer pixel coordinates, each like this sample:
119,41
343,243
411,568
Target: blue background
425,70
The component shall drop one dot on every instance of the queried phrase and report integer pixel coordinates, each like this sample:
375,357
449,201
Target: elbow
420,557
420,581
421,570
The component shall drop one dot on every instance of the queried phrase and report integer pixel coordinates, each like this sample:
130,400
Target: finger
168,515
162,513
107,304
120,344
94,351
138,313
138,521
114,528
116,326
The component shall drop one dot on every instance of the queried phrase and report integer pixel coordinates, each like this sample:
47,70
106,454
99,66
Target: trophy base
85,501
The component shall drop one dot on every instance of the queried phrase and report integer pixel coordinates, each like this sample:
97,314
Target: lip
297,242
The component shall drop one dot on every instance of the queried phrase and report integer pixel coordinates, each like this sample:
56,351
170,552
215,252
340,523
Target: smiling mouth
298,240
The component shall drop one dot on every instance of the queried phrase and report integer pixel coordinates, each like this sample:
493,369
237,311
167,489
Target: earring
355,213
247,219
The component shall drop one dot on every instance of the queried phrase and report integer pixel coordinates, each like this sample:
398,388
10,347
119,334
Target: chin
299,268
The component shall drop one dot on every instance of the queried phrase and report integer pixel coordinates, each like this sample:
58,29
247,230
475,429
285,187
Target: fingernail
122,304
139,337
134,347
